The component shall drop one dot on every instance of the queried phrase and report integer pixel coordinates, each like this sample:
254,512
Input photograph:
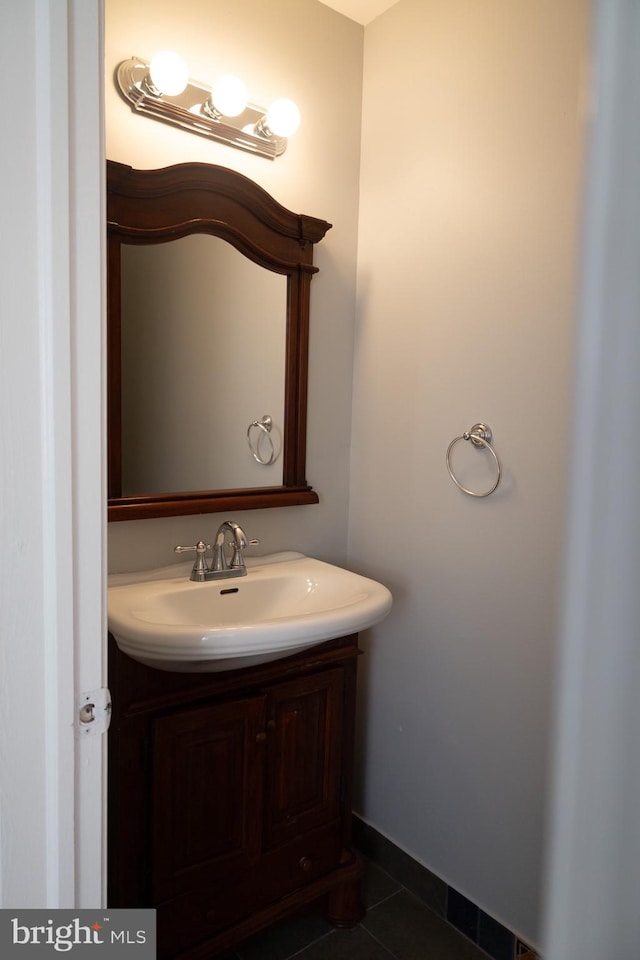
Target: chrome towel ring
264,425
480,436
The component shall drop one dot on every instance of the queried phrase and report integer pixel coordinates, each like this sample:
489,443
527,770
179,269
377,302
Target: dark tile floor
397,925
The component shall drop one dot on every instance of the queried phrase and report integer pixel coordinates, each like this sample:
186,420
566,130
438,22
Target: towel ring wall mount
480,436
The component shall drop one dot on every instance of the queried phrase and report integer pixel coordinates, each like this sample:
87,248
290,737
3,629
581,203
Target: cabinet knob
271,724
305,864
261,737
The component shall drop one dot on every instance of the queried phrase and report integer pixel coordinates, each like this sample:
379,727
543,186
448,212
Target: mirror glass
208,296
203,356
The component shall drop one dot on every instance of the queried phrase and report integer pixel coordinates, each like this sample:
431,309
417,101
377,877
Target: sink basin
286,603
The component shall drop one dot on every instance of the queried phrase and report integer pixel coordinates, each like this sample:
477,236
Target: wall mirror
208,316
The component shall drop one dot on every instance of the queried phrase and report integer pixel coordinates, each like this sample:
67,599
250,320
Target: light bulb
229,95
169,73
282,118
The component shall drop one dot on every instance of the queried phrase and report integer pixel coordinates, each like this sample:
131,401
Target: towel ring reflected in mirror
264,426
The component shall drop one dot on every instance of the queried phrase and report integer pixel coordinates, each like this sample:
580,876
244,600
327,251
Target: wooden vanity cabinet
230,795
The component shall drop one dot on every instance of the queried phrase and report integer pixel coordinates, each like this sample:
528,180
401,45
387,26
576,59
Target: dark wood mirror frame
155,206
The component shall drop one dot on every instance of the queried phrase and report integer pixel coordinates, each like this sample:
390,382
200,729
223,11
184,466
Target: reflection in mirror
199,351
203,355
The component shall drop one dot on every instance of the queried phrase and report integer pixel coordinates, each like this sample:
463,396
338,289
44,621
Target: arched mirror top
149,207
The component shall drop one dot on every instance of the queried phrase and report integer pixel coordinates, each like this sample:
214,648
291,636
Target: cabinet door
304,720
207,786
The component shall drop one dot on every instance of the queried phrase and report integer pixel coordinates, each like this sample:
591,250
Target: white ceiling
362,11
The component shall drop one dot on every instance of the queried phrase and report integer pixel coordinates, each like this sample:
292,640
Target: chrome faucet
220,568
239,542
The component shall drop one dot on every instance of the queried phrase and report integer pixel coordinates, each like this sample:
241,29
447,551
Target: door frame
593,841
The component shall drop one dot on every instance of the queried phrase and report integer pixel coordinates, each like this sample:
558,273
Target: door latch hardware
94,712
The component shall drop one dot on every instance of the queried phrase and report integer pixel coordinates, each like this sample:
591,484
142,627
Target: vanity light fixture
162,89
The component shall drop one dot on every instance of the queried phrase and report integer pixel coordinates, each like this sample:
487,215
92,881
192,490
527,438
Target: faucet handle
200,548
200,564
237,559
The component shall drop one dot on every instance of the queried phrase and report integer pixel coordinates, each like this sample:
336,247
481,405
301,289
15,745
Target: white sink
286,603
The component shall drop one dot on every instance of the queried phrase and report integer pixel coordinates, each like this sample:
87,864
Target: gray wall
467,241
304,50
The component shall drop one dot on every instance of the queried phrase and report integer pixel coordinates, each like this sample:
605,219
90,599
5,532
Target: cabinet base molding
343,883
